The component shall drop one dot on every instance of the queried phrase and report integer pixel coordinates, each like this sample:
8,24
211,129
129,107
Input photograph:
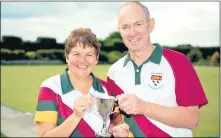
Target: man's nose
132,31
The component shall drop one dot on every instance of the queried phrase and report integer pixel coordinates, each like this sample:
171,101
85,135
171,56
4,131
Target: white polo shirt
166,78
55,104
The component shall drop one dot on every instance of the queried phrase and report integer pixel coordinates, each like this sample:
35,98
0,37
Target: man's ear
118,28
151,24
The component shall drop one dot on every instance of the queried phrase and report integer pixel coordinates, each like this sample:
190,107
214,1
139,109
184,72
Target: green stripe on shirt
46,106
134,127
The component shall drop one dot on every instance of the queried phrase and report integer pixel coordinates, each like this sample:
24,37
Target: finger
86,105
124,126
111,128
89,99
116,128
84,100
126,104
116,134
122,98
120,133
82,106
129,111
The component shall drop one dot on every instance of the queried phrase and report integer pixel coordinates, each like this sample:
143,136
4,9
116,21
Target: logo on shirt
156,81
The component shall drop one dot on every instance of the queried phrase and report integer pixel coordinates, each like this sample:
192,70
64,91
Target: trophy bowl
105,108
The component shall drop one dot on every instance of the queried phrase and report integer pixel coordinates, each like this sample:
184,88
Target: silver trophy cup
105,108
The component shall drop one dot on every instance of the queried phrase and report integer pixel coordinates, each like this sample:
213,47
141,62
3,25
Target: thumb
125,126
111,128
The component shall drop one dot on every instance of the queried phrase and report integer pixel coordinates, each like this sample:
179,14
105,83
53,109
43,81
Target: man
158,89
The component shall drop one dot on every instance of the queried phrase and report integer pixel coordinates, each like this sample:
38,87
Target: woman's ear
97,59
66,57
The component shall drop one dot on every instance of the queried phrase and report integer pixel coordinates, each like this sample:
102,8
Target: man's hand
131,104
121,130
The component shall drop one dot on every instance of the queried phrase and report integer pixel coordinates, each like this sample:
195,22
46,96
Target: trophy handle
115,110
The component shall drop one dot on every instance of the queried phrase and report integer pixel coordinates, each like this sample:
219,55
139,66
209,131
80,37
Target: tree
114,35
113,56
46,42
215,58
11,42
194,55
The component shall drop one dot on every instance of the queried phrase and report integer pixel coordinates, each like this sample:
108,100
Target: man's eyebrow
124,25
133,23
139,22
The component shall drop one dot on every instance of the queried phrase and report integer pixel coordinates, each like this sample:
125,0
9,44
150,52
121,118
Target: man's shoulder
176,59
174,55
118,65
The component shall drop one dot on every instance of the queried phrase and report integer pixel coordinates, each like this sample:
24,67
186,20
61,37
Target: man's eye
75,54
124,28
138,24
89,55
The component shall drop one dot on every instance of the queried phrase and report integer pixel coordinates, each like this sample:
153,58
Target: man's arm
186,117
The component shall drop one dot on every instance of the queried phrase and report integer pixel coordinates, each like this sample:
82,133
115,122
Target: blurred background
33,36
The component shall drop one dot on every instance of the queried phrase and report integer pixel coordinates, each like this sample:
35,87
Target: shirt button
137,70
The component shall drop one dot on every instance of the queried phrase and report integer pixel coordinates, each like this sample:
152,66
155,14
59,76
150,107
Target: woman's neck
81,84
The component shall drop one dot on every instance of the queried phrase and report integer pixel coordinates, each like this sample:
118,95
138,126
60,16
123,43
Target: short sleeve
46,109
189,91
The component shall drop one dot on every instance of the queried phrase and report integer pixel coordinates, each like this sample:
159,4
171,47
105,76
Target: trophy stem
104,130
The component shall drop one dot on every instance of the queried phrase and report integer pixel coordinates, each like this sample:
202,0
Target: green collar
155,57
66,85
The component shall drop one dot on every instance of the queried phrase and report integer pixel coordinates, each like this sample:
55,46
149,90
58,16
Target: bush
103,57
203,61
30,55
215,58
5,54
113,56
19,54
195,55
52,54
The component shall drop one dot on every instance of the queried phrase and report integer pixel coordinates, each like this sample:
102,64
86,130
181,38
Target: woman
64,105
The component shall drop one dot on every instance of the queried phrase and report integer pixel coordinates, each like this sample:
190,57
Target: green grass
20,86
3,136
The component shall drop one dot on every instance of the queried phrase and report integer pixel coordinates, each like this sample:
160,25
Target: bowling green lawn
20,85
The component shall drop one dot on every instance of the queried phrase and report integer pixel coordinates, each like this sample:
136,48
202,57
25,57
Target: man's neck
141,55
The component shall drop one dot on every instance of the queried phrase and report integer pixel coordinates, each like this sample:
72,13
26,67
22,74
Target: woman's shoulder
54,80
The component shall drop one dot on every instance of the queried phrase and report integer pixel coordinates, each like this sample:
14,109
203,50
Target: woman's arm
63,130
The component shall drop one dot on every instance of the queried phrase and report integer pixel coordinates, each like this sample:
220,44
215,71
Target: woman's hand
81,103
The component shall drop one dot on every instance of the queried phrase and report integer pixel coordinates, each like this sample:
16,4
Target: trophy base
102,135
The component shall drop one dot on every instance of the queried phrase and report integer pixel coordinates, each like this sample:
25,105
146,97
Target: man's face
134,27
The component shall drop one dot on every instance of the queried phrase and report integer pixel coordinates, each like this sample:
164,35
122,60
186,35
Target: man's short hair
145,9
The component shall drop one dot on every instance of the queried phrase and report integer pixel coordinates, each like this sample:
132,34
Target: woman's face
81,61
